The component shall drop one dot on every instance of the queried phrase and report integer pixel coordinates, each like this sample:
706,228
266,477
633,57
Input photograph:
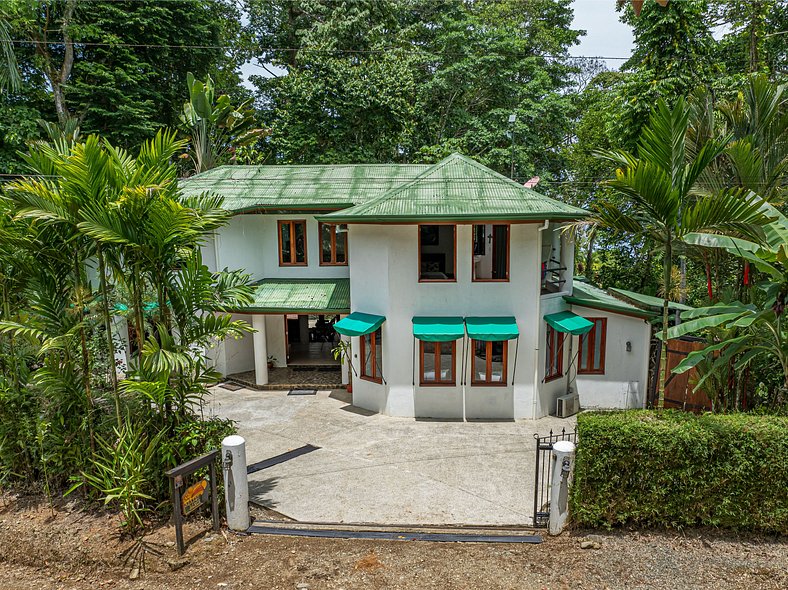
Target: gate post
236,486
561,472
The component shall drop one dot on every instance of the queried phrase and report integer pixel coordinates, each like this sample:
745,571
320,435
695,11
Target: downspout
538,313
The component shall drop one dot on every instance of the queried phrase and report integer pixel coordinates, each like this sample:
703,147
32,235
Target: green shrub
676,469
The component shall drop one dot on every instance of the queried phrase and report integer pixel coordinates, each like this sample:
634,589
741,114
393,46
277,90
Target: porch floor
294,377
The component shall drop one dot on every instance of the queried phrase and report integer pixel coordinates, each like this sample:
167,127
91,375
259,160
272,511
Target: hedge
675,469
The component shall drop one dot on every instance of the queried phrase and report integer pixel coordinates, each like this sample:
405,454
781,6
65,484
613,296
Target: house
451,284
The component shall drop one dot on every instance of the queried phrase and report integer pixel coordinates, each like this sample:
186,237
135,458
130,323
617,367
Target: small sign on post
185,501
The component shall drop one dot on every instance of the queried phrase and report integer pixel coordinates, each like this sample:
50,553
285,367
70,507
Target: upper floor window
438,361
292,243
490,252
333,244
489,362
437,253
371,356
554,355
591,359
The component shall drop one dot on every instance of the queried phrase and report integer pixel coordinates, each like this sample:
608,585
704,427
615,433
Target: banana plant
762,327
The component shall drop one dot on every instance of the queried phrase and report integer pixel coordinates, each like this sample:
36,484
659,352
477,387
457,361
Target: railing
543,475
553,277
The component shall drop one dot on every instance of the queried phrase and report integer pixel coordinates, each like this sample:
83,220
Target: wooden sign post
186,500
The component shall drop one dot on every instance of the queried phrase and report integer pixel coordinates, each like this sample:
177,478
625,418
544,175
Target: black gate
543,475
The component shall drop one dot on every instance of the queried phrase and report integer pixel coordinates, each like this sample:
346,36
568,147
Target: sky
605,34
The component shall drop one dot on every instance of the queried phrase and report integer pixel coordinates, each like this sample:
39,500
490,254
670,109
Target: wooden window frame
508,253
438,382
454,253
333,261
590,339
554,347
488,368
292,223
375,378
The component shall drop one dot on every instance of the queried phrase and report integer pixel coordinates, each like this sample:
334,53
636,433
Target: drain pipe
236,486
539,323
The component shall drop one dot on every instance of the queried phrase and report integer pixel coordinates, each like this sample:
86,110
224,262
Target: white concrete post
563,459
260,344
345,362
236,486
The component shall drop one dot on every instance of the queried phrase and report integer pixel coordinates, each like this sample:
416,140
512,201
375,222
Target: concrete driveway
377,469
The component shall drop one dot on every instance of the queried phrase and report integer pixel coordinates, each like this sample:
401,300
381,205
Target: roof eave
339,218
594,304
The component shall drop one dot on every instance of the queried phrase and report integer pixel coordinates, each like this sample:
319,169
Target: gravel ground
72,549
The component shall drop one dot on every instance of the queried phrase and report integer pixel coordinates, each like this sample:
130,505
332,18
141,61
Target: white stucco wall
275,335
250,242
623,385
384,280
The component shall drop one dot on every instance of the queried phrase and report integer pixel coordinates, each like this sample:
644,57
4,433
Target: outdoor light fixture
629,346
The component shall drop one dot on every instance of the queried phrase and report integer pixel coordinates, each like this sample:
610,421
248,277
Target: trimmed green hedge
677,469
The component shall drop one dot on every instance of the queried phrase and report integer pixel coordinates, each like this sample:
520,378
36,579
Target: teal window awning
359,324
493,328
438,329
569,323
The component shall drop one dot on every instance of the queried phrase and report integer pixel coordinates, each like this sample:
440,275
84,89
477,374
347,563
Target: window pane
367,352
428,349
479,360
300,242
325,242
447,361
285,230
500,261
436,254
341,243
598,329
548,355
583,352
378,353
497,372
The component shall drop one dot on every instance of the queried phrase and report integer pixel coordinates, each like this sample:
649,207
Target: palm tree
9,73
661,199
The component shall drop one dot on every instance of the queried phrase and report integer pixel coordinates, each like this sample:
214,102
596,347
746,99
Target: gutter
538,316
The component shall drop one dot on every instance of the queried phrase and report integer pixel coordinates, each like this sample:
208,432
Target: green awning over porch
492,328
569,323
359,324
438,329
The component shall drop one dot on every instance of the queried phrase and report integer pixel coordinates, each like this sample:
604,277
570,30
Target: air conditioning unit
567,405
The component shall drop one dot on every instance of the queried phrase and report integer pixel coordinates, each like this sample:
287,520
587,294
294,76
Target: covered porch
292,345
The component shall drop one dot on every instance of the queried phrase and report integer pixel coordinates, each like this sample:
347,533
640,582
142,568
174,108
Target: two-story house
451,283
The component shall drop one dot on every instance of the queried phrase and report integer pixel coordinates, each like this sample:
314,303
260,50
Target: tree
660,201
9,73
215,127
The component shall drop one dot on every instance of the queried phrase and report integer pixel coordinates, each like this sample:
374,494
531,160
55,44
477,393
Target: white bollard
563,459
236,486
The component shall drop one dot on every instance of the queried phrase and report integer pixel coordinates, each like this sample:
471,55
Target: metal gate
543,474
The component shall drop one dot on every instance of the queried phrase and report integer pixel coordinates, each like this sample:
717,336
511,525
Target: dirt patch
74,549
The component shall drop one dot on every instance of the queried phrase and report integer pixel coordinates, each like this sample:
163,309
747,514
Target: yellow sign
192,498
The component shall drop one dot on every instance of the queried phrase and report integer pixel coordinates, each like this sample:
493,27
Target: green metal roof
587,295
300,296
322,187
647,301
457,189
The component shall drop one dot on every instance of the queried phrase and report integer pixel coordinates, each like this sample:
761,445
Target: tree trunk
113,375
590,255
78,285
663,361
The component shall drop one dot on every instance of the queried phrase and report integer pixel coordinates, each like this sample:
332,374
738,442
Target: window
489,362
438,363
437,252
333,244
554,356
592,349
490,252
292,243
371,354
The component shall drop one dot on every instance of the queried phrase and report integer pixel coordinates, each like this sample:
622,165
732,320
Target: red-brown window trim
488,369
438,381
454,253
554,346
508,253
292,223
333,261
373,337
590,341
